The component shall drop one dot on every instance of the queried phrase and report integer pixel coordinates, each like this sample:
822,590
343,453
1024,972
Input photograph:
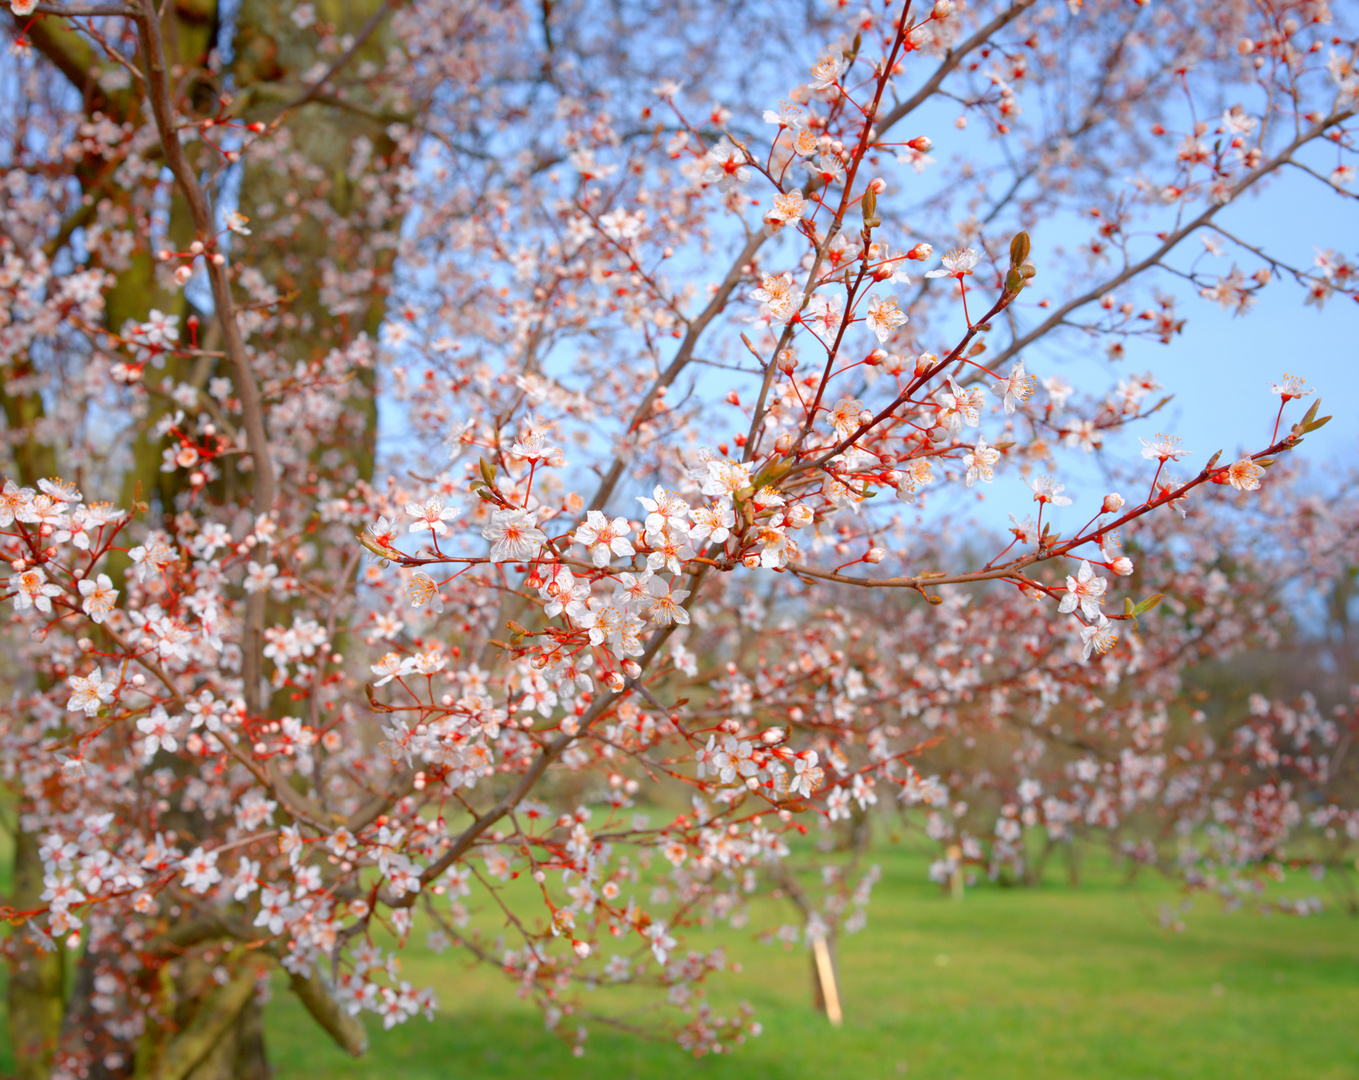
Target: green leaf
1149,603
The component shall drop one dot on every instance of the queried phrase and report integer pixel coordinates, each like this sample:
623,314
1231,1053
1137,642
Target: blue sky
1219,369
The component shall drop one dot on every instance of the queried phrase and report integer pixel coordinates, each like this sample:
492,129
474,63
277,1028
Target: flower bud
942,9
614,681
922,143
869,206
1113,503
1122,566
875,555
632,669
920,252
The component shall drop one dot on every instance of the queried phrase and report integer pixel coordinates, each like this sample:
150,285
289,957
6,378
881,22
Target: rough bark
218,1033
36,976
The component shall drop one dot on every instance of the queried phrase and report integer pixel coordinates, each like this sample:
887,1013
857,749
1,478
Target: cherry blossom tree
666,387
1151,758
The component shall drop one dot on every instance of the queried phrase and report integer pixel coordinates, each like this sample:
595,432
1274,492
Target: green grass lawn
1050,982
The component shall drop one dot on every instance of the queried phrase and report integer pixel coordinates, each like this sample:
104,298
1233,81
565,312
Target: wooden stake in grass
955,878
830,993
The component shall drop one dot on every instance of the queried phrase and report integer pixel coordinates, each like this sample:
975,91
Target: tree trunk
36,975
215,1032
1073,865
